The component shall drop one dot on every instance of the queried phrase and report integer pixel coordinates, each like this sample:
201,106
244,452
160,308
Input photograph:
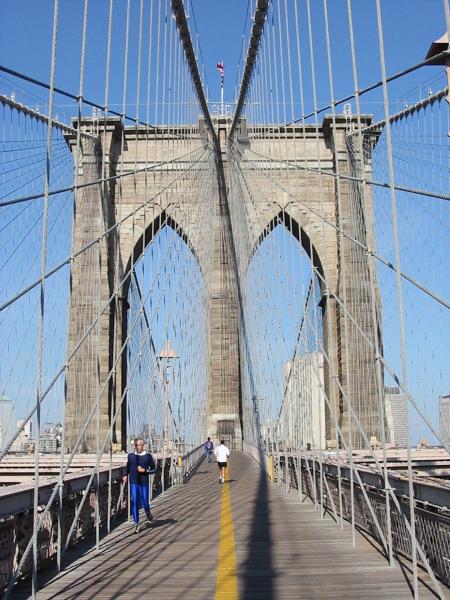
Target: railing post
286,460
270,467
300,477
321,485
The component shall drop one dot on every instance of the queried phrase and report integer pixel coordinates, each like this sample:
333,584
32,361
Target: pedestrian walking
140,465
209,447
222,453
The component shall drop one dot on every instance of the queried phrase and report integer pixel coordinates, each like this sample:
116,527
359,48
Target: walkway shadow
259,574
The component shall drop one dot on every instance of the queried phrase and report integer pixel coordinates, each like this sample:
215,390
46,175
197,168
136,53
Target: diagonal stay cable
364,335
382,184
387,263
75,97
406,112
430,61
97,181
72,353
94,241
30,112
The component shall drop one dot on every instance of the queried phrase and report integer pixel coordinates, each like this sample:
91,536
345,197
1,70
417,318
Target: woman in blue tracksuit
140,465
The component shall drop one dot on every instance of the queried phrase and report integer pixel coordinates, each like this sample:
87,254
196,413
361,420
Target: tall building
7,422
444,420
303,413
50,438
396,404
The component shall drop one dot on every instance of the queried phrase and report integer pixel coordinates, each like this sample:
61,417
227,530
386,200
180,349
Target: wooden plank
283,550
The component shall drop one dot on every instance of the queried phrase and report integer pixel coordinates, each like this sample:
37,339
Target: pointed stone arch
160,222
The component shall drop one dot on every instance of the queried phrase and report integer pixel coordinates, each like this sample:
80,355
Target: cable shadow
258,572
404,564
120,537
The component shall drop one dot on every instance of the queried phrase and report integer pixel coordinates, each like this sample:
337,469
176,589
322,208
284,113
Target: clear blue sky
409,25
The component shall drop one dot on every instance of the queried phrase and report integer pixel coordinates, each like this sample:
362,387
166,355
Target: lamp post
166,357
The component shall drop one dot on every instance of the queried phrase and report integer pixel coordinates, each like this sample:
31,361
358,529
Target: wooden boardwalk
283,551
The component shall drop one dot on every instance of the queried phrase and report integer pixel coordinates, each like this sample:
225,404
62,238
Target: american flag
221,68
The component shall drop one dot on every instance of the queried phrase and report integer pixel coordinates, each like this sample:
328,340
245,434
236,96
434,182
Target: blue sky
409,27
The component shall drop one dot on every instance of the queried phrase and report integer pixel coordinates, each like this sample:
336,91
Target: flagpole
221,68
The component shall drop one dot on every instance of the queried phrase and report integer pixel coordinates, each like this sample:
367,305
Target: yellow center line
226,583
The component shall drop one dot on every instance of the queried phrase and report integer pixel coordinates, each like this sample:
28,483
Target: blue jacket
140,460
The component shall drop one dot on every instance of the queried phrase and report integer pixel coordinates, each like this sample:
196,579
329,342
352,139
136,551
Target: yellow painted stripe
226,583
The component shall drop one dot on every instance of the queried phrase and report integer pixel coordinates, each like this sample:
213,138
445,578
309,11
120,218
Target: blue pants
139,497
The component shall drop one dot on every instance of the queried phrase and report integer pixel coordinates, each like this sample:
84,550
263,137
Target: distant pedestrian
140,465
222,453
209,447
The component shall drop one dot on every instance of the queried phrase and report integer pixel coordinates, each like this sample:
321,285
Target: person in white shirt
222,453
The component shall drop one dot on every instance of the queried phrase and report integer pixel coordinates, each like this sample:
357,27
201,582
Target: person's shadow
161,523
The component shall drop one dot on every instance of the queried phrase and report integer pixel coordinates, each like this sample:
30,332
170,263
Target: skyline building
444,419
303,412
24,437
7,421
50,438
396,404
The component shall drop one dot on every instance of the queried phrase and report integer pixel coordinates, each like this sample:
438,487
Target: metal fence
322,486
104,504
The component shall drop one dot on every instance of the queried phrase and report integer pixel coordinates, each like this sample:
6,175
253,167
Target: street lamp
166,357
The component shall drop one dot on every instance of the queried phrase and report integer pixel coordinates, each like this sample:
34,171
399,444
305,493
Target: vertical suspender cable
398,288
371,273
40,393
42,300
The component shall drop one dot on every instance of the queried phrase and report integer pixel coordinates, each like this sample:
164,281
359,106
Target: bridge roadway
270,547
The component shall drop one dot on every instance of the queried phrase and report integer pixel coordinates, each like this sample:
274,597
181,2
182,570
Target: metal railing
319,481
16,509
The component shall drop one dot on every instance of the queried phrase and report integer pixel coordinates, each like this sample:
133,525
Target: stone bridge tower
98,369
309,179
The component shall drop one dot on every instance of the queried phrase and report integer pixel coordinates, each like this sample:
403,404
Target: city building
7,421
50,438
396,405
267,434
24,437
303,413
444,420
